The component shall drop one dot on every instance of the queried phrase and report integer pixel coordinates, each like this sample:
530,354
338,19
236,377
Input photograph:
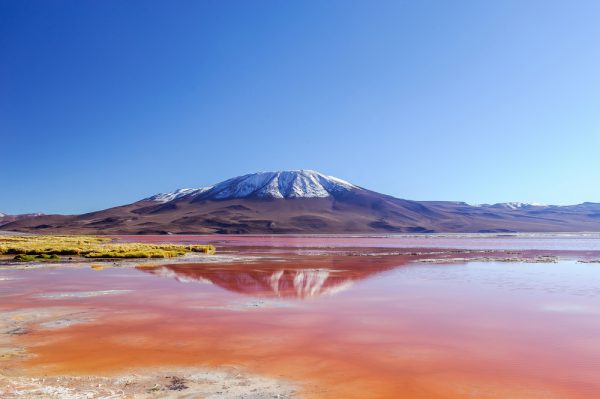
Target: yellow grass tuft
26,248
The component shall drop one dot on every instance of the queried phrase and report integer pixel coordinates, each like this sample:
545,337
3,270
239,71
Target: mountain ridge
307,201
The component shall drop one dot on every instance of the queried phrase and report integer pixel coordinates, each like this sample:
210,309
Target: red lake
340,316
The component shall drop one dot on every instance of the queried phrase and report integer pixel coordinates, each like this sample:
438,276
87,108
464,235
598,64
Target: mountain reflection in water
292,281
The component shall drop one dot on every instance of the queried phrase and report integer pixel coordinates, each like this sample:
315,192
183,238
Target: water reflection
280,280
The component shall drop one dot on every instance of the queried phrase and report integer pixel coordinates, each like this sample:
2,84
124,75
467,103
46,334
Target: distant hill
5,219
306,201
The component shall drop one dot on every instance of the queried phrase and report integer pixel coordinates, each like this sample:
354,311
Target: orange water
341,326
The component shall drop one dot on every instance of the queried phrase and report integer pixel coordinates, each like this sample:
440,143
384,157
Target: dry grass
27,248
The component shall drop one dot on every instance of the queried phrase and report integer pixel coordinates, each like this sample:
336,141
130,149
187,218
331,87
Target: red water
341,326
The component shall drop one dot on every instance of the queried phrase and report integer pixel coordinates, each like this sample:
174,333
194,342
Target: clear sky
106,102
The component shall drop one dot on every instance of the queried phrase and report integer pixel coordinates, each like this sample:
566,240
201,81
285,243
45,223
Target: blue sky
105,102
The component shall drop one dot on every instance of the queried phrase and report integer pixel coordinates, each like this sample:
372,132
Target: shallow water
516,241
380,326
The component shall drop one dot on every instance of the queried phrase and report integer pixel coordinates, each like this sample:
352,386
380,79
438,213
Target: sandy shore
8,263
222,382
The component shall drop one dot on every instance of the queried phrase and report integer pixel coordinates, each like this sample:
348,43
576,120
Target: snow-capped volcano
306,201
284,184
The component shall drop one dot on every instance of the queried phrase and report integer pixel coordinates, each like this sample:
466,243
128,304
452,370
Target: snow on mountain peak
182,192
518,205
512,205
284,184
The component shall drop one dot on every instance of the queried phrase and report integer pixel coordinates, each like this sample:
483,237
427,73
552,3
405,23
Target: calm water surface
343,326
521,241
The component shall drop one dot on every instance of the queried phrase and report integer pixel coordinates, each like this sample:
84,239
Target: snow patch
511,205
182,192
286,184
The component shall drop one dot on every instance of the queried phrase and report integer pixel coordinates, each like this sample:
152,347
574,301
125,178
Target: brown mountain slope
308,202
364,213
